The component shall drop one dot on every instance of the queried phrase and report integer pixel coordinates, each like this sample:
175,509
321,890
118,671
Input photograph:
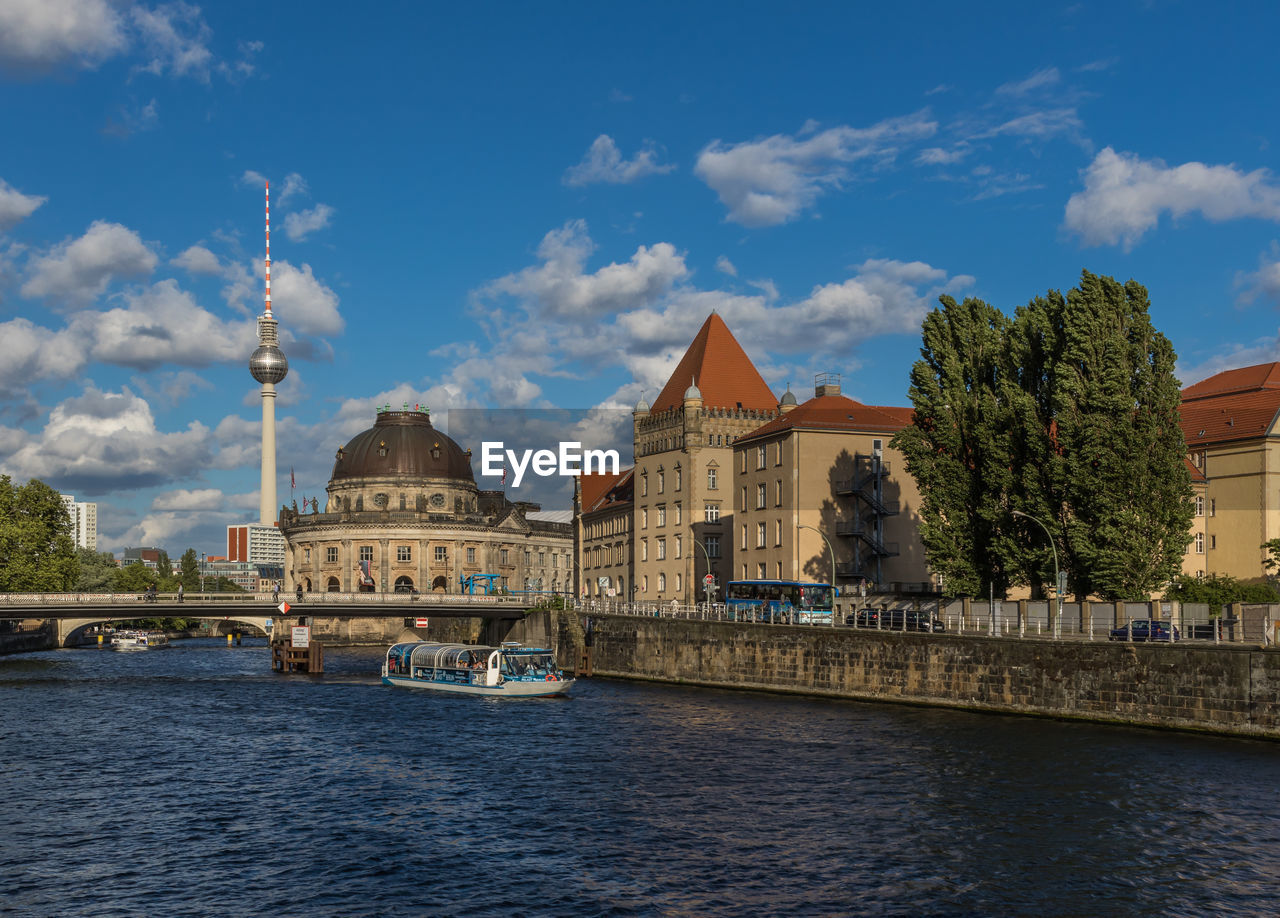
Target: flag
365,577
292,483
504,475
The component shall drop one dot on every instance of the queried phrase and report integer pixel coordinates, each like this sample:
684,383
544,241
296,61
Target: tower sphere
268,364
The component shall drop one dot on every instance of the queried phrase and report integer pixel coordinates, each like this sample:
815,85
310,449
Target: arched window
334,586
404,584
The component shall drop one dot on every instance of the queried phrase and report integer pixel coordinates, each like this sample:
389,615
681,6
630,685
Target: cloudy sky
535,206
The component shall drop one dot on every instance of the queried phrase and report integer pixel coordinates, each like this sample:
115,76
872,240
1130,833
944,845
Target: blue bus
787,601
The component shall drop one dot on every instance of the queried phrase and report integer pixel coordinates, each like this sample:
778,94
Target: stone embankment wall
1191,686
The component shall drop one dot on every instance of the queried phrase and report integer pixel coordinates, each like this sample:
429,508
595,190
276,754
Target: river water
193,781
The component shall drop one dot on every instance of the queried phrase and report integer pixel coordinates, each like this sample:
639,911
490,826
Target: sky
535,206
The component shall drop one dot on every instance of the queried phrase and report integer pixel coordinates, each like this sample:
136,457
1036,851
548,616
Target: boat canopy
433,655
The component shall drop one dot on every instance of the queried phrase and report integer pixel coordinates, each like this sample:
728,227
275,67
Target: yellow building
1230,424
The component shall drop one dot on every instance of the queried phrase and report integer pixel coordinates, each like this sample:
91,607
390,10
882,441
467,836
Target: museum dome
402,443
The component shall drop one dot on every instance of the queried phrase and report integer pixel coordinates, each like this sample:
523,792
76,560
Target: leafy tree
37,552
1220,589
223,585
1126,488
163,567
189,571
134,578
958,445
97,571
1272,548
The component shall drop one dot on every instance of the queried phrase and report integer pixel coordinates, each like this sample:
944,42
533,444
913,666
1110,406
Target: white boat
509,671
138,640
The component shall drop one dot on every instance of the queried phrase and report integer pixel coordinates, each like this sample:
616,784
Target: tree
957,447
163,567
189,571
134,578
37,552
1219,589
97,571
1125,482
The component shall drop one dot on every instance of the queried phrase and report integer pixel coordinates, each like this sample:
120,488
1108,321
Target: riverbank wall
1232,689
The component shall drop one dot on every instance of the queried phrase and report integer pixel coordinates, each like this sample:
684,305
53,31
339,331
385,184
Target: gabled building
606,506
1230,424
683,476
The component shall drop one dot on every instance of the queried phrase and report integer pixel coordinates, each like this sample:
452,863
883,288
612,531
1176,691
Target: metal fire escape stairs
870,510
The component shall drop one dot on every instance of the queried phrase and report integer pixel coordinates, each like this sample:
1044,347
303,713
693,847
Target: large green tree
97,571
189,571
958,445
37,551
133,578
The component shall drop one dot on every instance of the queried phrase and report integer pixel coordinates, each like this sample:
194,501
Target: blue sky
536,205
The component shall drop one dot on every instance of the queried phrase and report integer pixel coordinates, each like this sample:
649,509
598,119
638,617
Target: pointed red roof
836,413
1239,404
599,489
722,371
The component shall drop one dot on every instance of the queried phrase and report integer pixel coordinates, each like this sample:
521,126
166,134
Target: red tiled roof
721,369
837,413
1197,475
1237,404
602,489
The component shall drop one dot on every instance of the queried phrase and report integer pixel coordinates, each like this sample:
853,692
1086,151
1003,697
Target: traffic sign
284,608
709,579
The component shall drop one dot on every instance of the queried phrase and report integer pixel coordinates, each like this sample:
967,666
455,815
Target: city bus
787,601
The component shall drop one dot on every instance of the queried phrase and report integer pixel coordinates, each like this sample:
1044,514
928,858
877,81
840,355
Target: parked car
896,620
1146,629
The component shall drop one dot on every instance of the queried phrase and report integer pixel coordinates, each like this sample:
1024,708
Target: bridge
72,613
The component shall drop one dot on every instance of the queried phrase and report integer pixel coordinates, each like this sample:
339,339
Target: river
193,781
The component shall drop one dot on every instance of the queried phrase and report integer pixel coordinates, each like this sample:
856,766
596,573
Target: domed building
403,513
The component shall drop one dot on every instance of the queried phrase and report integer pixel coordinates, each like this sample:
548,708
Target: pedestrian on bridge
179,592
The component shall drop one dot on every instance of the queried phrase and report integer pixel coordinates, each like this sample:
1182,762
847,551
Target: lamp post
833,568
201,572
1057,577
706,554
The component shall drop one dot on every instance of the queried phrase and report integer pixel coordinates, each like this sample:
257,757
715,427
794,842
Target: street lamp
834,589
1057,576
201,572
706,554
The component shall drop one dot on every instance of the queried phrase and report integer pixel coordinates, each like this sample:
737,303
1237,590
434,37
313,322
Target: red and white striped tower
268,366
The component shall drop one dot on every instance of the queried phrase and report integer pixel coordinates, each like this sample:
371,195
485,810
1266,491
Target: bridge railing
246,598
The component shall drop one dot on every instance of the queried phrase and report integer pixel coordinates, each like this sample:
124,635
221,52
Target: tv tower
268,366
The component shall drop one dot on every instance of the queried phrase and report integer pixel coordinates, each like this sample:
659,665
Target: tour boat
509,671
138,640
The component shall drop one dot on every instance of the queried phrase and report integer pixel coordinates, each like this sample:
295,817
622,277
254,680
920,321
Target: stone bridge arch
70,630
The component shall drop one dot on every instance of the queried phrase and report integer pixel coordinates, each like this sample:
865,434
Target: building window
404,552
1213,506
762,533
877,446
777,571
712,545
662,515
1199,505
662,582
644,549
712,512
645,587
743,505
542,559
471,556
555,561
777,497
711,479
442,554
744,536
662,480
679,477
662,549
528,558
679,547
760,456
306,555
1213,542
777,532
743,454
761,571
504,556
331,555
366,552
644,484
762,495
777,456
677,520
644,517
1199,543
678,581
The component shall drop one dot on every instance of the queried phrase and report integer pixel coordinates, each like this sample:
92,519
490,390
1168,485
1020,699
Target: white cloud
14,205
294,184
76,271
29,352
725,266
1047,76
1125,195
1265,282
936,156
253,179
163,324
41,34
198,260
604,163
101,441
187,499
305,222
1042,125
772,181
303,303
176,40
560,288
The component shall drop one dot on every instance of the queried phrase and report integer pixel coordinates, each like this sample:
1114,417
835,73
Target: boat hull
509,689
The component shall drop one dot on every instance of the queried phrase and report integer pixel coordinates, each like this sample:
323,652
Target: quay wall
1189,686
